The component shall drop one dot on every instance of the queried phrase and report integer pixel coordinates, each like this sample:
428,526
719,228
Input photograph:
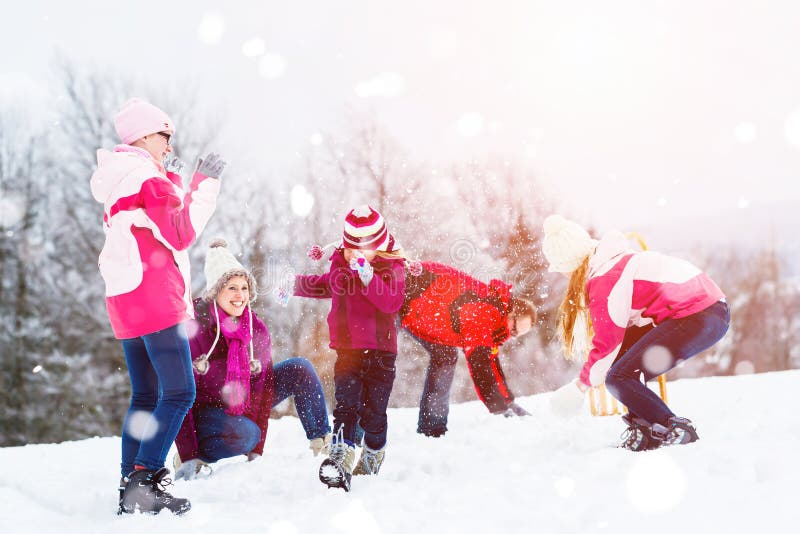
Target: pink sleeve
179,221
312,285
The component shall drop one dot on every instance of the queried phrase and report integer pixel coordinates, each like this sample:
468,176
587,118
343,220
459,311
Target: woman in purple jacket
366,285
237,383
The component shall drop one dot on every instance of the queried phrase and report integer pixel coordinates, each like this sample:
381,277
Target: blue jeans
434,406
363,380
162,391
220,435
682,339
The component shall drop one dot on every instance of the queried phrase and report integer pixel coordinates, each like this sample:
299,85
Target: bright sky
635,112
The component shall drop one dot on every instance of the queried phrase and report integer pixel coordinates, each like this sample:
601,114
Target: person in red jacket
446,309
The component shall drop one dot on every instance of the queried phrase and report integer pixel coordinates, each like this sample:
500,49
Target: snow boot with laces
641,435
123,481
638,436
370,461
144,492
337,470
678,431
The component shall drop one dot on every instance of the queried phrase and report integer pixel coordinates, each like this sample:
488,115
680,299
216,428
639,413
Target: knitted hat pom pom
415,268
315,252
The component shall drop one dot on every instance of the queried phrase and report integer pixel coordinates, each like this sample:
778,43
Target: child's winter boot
337,470
370,461
144,492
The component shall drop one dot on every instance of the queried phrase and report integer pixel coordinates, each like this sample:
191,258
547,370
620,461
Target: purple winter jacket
202,331
361,317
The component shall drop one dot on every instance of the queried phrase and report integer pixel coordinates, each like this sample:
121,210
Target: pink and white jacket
149,224
629,288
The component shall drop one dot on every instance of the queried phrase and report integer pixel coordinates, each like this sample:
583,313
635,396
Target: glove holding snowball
173,164
567,400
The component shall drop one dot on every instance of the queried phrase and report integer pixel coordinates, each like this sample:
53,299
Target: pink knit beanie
138,118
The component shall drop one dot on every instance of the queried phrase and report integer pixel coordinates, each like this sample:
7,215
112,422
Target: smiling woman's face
234,296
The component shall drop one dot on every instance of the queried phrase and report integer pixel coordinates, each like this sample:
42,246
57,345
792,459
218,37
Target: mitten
567,400
363,268
173,164
211,165
190,469
284,291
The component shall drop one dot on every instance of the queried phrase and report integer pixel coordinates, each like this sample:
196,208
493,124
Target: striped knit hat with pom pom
365,229
220,267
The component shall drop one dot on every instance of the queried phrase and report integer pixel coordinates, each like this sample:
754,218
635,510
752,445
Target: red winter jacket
448,307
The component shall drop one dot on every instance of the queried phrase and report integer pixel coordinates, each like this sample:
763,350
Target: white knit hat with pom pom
220,267
566,244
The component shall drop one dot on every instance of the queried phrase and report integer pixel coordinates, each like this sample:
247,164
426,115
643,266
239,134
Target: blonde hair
397,254
211,294
573,313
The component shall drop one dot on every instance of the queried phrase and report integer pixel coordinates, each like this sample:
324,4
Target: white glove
321,445
567,400
285,289
363,268
190,469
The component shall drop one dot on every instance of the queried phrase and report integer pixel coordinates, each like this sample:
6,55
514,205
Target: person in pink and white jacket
642,313
149,223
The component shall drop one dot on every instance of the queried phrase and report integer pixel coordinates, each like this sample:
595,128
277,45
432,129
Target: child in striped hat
366,285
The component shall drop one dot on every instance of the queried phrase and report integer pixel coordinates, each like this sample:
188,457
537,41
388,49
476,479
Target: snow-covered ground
539,474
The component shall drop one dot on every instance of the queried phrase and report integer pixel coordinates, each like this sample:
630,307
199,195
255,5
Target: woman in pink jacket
149,224
646,313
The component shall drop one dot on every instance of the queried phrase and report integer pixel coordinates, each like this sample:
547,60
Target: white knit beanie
565,244
220,267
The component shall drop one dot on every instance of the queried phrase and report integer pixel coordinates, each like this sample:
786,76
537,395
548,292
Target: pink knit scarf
236,391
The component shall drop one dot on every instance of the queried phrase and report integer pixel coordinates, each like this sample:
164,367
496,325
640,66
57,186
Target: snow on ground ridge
488,474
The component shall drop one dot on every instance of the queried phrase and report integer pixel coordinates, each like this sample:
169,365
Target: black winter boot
123,481
145,493
678,431
639,434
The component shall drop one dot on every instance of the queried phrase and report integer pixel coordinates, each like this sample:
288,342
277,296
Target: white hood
113,168
609,249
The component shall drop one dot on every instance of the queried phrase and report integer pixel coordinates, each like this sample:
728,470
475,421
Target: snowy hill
539,474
